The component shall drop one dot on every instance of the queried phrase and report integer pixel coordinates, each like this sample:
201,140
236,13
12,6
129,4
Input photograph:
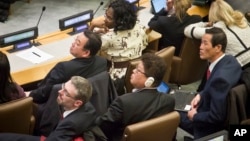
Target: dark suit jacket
103,92
48,114
171,29
213,105
75,124
132,108
63,71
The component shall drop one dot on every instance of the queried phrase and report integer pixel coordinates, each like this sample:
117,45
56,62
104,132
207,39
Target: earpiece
149,82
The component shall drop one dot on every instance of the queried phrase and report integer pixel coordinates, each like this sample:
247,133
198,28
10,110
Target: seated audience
9,90
172,26
85,64
209,106
143,104
123,38
233,23
78,115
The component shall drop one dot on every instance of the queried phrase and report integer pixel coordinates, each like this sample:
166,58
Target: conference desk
58,44
25,72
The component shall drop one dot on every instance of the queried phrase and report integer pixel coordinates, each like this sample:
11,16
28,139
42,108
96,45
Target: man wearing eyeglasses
78,115
143,104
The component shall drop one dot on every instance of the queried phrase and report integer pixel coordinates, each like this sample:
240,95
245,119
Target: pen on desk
36,54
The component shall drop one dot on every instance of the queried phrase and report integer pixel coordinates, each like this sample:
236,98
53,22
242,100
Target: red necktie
208,73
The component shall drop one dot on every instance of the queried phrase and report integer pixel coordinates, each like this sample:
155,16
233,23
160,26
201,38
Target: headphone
149,82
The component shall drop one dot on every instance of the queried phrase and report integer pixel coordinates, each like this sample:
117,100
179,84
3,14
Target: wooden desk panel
25,72
36,73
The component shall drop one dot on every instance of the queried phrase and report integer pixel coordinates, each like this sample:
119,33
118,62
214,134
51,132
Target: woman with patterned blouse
123,39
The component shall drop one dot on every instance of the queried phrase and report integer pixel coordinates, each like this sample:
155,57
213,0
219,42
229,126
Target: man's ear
218,48
86,53
78,103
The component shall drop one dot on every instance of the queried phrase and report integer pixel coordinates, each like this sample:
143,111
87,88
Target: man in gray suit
143,104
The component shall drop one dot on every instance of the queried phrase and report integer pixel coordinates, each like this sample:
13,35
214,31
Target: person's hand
209,24
97,22
195,101
101,30
191,113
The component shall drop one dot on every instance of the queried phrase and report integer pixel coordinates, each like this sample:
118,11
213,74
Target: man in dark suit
78,115
209,106
85,64
143,104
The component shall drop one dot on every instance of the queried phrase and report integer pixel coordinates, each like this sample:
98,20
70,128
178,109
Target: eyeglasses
138,70
65,92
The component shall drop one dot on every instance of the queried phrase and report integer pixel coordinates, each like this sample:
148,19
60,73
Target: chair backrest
239,105
188,67
17,116
162,128
166,53
131,66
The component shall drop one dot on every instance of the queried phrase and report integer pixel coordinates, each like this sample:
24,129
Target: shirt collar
66,113
138,90
212,65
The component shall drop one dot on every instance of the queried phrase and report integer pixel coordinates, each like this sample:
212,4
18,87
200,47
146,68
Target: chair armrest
153,41
245,122
153,35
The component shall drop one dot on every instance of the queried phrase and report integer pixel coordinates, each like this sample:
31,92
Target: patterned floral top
124,45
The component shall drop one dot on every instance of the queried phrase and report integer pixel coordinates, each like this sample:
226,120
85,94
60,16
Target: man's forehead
207,37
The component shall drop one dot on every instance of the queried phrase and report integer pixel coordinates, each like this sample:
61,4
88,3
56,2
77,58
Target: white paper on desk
34,55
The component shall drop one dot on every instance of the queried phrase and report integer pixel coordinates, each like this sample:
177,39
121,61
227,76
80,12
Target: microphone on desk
44,8
101,3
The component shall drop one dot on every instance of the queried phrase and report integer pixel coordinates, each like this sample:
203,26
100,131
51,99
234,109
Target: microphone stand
34,43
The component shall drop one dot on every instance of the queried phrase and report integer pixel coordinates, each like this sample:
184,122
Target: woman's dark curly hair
124,15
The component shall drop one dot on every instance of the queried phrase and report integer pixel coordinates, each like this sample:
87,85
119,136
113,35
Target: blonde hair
181,7
222,11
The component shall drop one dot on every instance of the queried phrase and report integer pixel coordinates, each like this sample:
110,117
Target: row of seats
17,117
